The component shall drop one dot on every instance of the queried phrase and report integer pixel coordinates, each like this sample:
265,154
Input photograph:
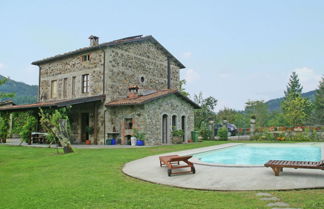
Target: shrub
3,129
223,133
28,128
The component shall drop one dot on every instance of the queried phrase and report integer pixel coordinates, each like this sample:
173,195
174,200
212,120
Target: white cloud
308,77
190,75
186,55
2,66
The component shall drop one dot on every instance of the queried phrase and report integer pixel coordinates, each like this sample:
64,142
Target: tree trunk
67,149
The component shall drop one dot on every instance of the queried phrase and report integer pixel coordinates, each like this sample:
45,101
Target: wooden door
84,125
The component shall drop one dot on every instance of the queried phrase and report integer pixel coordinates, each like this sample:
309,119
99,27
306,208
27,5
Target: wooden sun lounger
173,162
278,165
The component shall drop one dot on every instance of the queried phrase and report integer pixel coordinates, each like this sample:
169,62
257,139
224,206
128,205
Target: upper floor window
65,87
85,83
54,89
85,57
73,86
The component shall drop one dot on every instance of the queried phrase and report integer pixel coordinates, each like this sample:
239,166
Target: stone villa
114,88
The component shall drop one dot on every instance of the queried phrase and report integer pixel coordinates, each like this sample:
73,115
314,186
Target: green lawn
92,178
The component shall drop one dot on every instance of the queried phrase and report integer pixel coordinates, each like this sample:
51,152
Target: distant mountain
274,104
25,94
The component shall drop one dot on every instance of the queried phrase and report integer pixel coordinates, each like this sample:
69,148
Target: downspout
105,125
169,73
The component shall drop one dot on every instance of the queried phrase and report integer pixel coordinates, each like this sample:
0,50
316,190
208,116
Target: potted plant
177,136
89,131
140,137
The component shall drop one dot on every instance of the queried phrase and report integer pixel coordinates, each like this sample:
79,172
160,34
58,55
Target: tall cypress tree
319,103
294,88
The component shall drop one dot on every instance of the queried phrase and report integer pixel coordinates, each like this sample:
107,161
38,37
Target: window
174,122
85,83
73,86
65,87
85,57
128,123
54,89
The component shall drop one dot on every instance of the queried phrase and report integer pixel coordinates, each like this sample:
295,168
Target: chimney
94,40
132,92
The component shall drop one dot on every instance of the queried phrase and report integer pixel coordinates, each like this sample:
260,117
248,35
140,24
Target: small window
128,123
174,122
65,87
85,57
142,79
73,86
85,83
54,89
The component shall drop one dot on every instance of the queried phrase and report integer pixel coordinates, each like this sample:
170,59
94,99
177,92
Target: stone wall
126,64
72,67
148,118
170,105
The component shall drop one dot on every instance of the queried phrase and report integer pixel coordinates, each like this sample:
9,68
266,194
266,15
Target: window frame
85,83
54,89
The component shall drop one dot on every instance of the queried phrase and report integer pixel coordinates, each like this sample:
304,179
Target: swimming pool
258,154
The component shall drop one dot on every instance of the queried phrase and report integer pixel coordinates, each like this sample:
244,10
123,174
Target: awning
55,104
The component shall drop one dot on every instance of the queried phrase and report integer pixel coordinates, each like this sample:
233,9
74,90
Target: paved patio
210,177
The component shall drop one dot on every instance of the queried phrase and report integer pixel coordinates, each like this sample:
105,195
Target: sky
234,51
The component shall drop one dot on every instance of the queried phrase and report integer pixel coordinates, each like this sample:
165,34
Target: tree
27,129
235,117
260,110
3,129
206,113
318,113
294,88
56,123
182,89
295,108
297,111
4,117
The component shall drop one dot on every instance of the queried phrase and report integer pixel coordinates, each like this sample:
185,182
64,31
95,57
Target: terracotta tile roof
130,39
57,103
148,98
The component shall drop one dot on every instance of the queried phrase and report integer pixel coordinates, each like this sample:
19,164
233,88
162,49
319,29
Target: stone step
263,194
270,199
279,204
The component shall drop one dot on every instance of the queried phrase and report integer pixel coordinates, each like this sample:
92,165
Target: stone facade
111,71
69,68
128,64
147,118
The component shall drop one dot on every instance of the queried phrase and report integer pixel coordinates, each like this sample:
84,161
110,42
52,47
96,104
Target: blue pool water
252,154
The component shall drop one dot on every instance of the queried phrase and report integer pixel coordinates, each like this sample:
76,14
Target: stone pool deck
213,177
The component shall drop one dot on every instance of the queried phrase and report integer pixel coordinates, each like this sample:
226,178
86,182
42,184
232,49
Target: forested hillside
25,94
274,104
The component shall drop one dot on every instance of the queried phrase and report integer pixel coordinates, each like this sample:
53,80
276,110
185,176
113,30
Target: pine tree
319,103
294,88
296,109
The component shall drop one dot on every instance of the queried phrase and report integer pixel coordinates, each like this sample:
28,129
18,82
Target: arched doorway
165,129
183,127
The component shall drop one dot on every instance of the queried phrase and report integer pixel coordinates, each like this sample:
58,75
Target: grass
92,178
